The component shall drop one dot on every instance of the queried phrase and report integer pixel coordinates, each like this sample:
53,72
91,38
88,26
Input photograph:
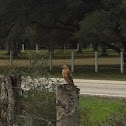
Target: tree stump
67,105
4,102
11,99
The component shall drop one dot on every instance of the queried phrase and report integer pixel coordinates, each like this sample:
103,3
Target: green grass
96,110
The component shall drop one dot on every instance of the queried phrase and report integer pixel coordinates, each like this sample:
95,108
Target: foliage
39,107
95,26
38,63
44,22
38,93
53,24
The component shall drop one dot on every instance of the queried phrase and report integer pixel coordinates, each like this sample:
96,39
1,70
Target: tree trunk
80,47
67,105
124,55
96,47
104,50
4,102
16,82
11,100
8,47
15,48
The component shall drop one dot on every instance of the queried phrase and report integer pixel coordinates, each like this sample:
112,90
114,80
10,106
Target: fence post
50,54
11,58
22,47
36,47
67,105
96,61
72,63
121,62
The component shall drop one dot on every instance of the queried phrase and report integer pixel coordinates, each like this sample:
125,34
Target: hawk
67,74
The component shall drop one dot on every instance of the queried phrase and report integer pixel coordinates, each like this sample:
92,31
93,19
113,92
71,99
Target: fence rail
73,61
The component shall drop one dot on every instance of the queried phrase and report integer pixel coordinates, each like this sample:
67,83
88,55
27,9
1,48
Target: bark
96,47
14,46
124,55
10,109
113,47
67,105
16,83
80,47
104,50
8,48
4,102
11,100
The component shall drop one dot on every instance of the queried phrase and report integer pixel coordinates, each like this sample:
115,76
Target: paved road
105,88
102,87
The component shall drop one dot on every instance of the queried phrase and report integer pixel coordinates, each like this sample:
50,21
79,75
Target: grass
60,62
62,54
96,110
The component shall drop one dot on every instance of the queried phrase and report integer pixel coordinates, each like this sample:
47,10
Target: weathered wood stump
67,105
11,99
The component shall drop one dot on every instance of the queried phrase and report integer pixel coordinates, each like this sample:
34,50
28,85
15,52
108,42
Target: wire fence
29,103
73,60
70,57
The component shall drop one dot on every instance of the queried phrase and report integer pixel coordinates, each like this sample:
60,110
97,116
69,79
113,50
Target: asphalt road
105,88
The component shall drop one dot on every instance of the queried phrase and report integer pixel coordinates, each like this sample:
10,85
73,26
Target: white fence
96,61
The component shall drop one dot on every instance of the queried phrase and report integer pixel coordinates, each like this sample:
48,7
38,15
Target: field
109,66
60,62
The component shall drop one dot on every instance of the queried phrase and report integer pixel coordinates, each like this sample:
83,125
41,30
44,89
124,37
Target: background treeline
54,23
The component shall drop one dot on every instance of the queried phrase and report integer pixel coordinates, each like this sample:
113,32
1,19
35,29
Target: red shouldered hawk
67,75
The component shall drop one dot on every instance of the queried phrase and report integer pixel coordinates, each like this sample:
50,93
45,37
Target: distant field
61,57
60,62
63,54
109,66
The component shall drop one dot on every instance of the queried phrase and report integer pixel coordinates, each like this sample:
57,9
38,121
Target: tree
42,16
95,27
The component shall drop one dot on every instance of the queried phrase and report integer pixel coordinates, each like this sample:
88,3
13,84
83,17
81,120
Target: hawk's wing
70,77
